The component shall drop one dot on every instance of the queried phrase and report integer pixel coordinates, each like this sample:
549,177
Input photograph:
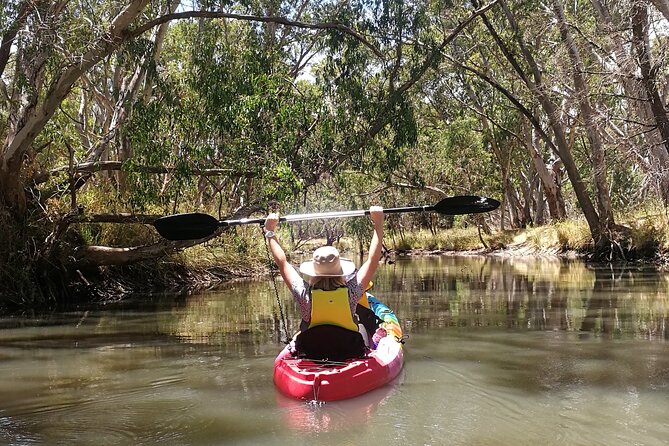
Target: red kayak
330,381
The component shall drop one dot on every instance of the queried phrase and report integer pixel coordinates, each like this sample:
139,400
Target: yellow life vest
331,308
364,301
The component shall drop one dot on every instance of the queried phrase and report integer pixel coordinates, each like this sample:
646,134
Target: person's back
328,299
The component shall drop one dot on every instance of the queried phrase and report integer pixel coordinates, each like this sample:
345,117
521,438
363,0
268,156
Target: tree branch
122,218
103,166
511,97
10,34
255,18
105,255
383,115
37,117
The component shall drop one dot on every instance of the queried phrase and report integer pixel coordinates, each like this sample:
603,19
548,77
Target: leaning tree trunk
42,105
641,45
540,92
589,118
551,188
654,106
656,163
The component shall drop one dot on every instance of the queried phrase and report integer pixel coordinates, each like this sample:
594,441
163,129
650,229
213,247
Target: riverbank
242,254
204,267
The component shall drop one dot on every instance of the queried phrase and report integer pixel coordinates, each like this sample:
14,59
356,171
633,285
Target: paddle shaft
326,215
195,225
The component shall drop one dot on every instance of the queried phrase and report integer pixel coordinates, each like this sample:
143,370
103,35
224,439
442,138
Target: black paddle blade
186,226
466,204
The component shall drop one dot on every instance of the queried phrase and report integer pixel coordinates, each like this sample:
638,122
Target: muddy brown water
500,352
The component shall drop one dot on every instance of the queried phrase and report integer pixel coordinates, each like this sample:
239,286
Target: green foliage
287,183
236,111
222,118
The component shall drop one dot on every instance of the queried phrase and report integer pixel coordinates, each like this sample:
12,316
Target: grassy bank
649,239
242,253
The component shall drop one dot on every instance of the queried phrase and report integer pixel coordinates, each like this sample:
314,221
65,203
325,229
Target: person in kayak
330,295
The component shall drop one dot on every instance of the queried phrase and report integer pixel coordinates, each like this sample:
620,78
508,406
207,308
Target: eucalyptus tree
590,122
622,111
534,79
54,48
477,75
105,86
630,127
507,134
652,76
559,111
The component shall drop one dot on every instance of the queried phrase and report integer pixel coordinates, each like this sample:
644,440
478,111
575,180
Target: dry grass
449,240
650,232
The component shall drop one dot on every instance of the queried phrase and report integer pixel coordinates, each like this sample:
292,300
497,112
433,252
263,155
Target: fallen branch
88,256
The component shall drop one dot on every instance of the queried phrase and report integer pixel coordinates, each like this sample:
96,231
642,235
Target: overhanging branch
255,18
383,115
91,167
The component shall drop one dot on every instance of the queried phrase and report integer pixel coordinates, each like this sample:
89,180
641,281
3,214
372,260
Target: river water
500,352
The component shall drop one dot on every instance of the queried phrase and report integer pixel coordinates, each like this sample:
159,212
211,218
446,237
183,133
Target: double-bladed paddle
196,225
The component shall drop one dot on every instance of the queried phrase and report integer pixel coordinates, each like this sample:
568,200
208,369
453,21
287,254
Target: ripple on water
16,432
481,368
312,417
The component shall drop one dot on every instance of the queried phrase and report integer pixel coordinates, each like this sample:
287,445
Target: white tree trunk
589,118
662,6
34,116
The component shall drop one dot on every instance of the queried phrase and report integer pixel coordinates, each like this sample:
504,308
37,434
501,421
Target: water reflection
501,351
535,294
315,417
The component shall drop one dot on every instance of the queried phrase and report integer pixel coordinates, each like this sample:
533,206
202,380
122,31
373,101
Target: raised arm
367,270
287,271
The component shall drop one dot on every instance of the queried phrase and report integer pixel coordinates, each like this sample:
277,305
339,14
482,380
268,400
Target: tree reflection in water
475,291
528,293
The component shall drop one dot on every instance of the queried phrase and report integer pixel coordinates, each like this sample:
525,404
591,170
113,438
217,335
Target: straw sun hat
327,263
